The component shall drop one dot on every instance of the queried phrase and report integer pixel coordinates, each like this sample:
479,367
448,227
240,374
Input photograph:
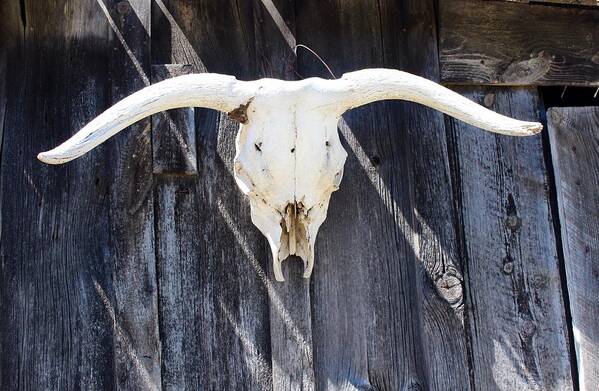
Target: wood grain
213,284
588,3
131,224
370,326
515,314
439,265
574,138
56,287
173,132
490,42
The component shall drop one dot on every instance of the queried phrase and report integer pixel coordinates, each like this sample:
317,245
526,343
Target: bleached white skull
289,157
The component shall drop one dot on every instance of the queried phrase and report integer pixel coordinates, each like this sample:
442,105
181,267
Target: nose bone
294,238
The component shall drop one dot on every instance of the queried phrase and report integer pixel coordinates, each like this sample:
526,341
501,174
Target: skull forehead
288,153
302,94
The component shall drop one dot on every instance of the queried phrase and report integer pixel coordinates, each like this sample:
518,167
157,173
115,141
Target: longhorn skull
289,158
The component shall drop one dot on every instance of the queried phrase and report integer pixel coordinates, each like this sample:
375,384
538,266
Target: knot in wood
528,328
489,100
449,287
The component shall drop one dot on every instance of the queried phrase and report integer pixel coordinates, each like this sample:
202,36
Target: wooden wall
452,259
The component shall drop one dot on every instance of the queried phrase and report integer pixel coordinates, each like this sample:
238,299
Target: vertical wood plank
214,309
363,295
55,330
11,32
515,317
387,296
173,132
439,266
290,314
574,137
131,204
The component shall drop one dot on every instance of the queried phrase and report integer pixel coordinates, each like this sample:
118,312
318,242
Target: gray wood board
515,311
131,224
173,132
574,138
378,319
212,262
490,42
77,290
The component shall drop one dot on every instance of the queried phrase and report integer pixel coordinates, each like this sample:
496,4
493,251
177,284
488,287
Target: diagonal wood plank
515,313
574,138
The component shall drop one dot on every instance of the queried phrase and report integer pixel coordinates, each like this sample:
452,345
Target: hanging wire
299,45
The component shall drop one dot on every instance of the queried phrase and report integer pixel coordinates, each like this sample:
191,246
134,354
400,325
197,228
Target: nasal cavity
294,224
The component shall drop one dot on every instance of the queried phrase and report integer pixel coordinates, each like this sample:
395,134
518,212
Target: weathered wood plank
11,31
490,42
588,3
574,137
515,311
290,312
214,309
374,303
55,269
131,223
439,265
365,311
173,132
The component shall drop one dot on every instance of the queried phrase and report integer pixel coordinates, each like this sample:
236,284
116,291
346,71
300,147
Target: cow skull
289,158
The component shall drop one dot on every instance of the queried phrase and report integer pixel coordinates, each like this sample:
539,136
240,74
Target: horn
369,85
209,90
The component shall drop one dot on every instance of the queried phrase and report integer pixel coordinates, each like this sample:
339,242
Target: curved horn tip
532,128
48,158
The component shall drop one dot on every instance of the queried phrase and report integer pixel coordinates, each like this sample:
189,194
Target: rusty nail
508,267
513,222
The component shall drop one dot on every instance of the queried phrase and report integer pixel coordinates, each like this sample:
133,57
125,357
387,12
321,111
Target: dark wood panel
56,288
490,42
574,137
379,318
212,262
131,217
515,313
11,31
588,3
173,132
